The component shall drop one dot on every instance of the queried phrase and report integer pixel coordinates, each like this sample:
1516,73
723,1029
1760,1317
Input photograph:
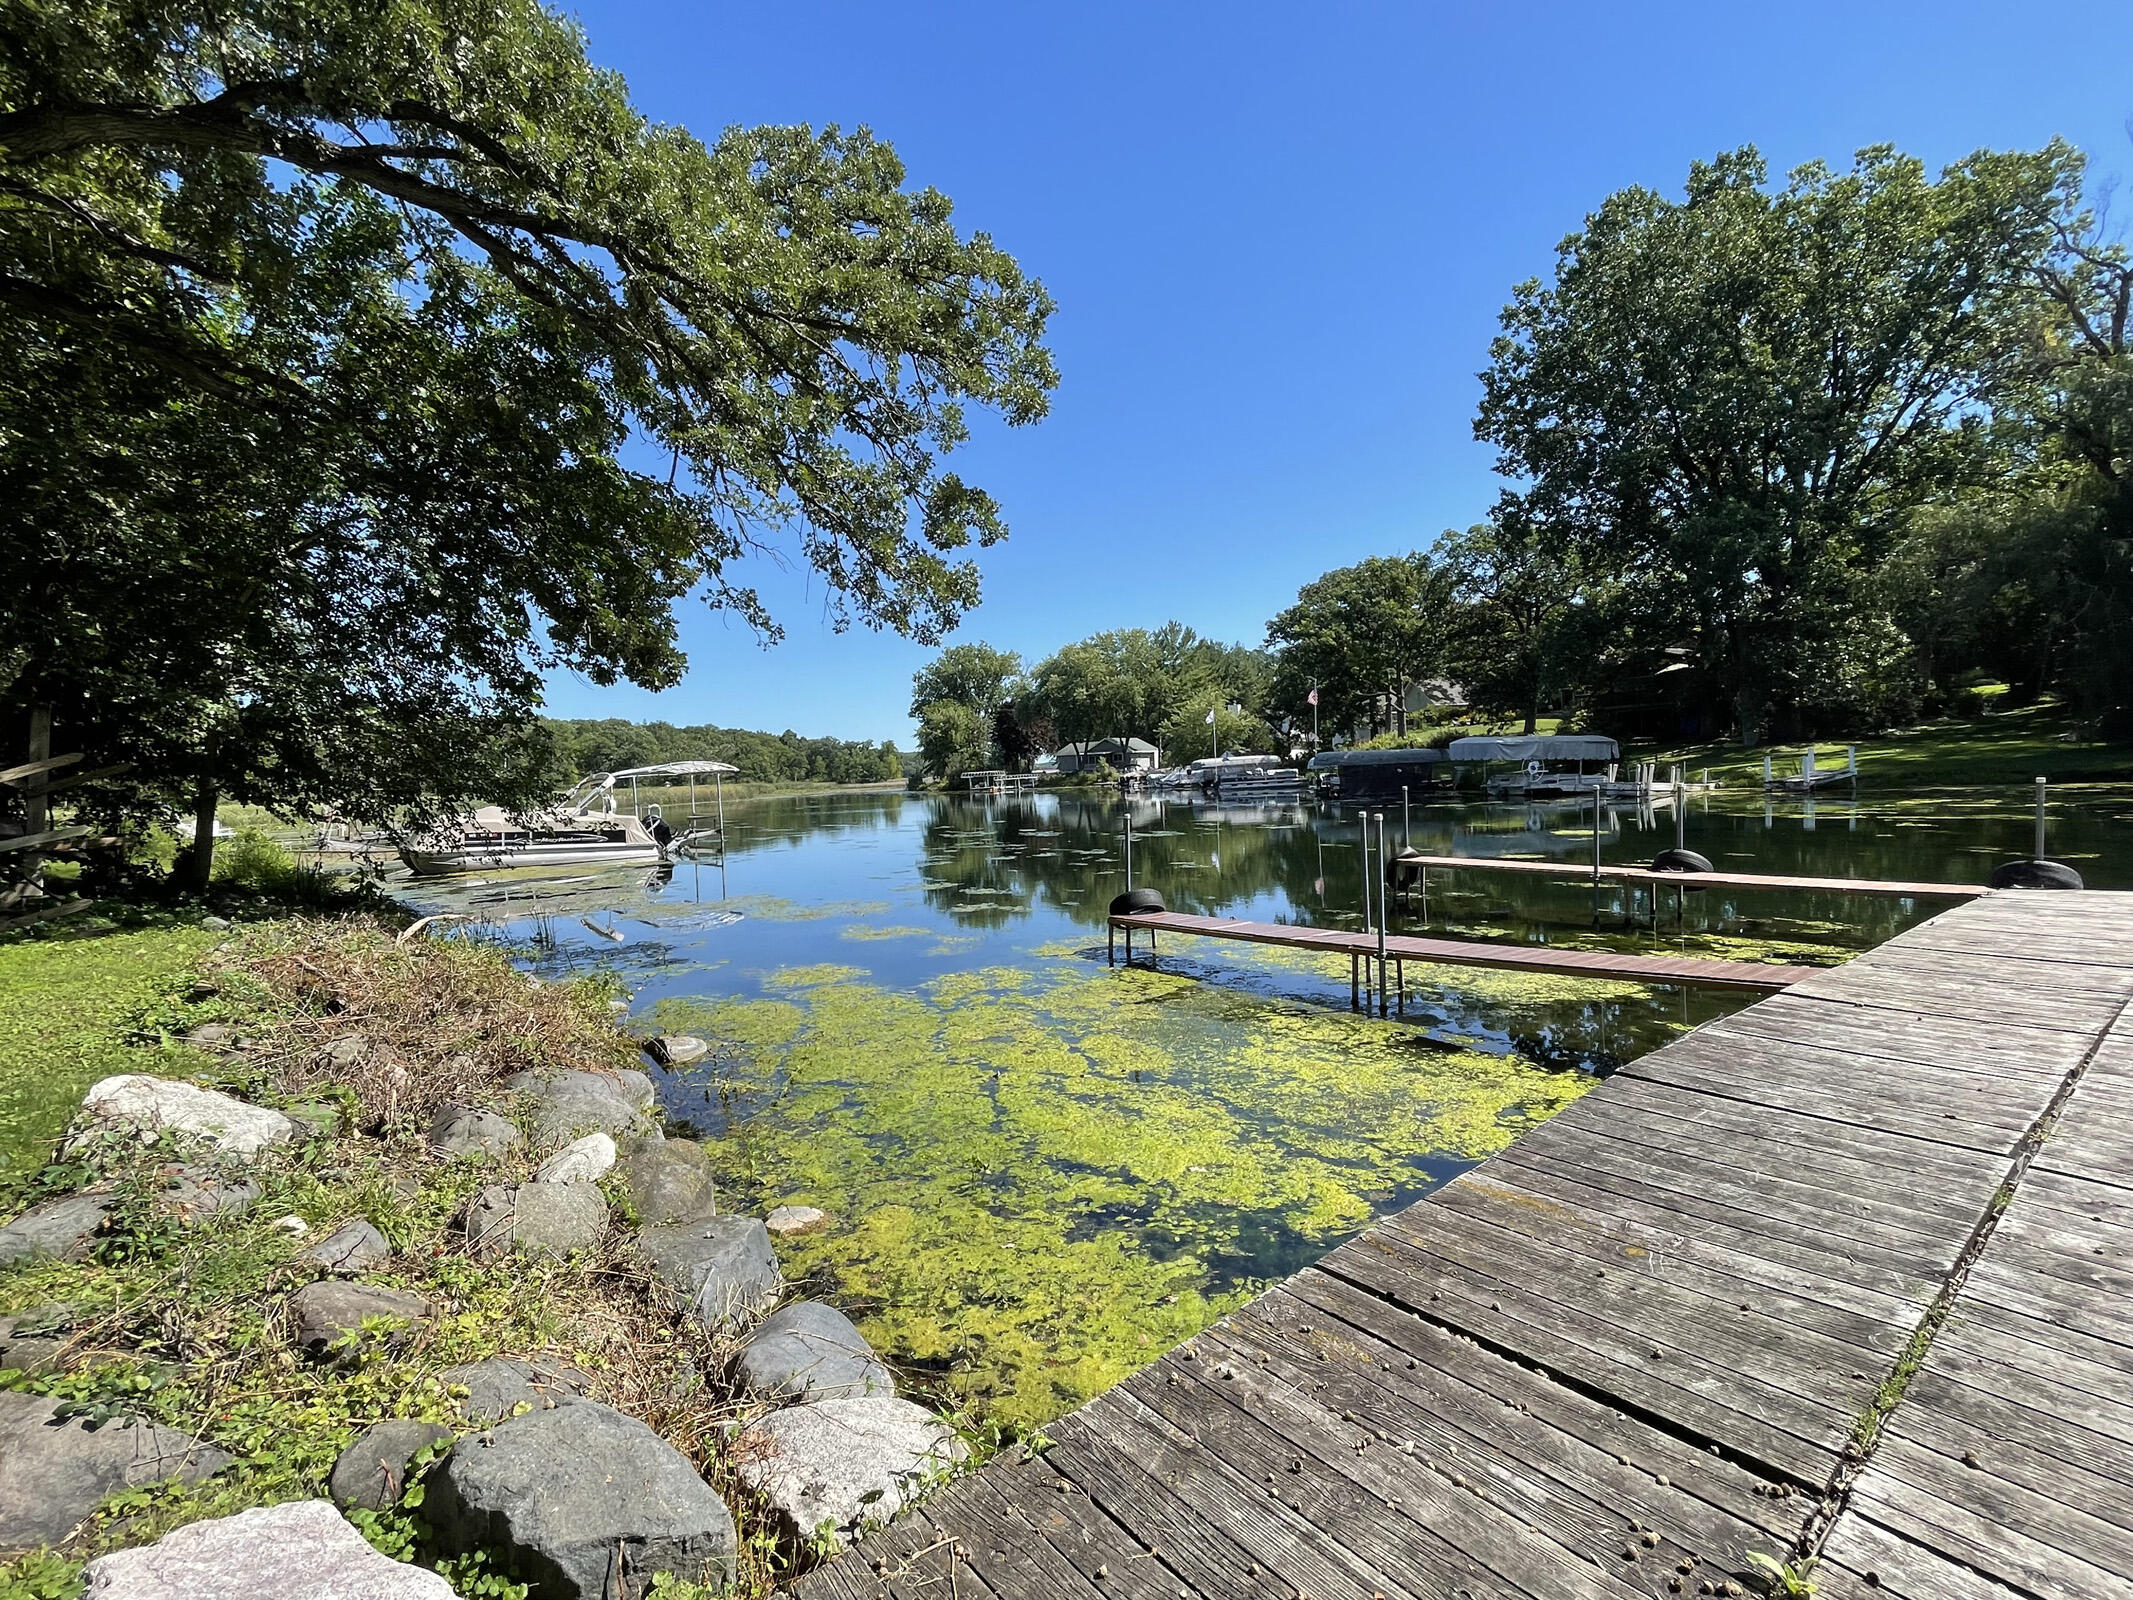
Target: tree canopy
1734,404
364,363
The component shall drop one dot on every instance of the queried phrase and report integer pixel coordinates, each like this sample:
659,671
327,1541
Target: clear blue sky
1279,238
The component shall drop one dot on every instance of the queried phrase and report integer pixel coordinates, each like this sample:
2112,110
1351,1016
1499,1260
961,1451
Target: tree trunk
197,864
36,809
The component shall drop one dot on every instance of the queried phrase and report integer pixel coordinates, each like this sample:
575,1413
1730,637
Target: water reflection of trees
990,862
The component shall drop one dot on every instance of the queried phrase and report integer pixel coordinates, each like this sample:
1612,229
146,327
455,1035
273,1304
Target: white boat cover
1537,747
676,769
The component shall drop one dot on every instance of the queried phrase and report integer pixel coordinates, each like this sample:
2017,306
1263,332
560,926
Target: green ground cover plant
186,1325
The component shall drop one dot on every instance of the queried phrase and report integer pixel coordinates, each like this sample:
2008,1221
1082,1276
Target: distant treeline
610,744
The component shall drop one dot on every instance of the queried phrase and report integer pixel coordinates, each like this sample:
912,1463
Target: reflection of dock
1839,1278
1645,877
1395,950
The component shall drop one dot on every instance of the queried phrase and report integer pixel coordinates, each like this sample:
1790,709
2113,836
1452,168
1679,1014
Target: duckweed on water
1044,1178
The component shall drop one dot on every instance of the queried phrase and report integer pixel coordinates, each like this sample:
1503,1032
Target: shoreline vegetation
186,1304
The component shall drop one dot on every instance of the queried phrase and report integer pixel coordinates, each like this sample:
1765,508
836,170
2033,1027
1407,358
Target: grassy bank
187,1324
2012,747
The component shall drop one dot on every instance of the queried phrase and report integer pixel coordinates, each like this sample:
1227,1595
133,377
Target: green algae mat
1044,1177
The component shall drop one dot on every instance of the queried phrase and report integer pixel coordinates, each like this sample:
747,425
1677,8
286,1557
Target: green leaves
1732,403
343,342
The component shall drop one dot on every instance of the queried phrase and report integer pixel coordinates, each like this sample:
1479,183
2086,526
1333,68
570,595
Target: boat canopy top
1537,747
677,769
1391,758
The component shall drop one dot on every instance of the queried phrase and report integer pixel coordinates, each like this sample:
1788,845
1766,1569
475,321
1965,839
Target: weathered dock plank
1848,1274
1755,977
1645,877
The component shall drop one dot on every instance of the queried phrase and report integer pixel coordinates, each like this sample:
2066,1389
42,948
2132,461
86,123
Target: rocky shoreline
522,1466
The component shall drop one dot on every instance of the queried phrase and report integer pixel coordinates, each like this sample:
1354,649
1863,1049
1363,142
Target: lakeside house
1120,755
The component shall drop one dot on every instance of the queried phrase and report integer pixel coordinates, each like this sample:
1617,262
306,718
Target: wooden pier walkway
1847,1274
1755,977
1645,877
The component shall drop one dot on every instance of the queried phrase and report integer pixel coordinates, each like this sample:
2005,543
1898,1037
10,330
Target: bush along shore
404,1290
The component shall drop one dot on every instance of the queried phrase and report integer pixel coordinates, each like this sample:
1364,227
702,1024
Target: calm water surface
1045,1170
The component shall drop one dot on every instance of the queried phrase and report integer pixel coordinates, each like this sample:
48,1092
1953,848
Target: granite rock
583,1501
723,1267
299,1550
677,1049
583,1160
353,1248
147,1105
789,1222
829,1468
669,1181
470,1131
553,1219
322,1313
371,1473
498,1386
54,1473
62,1229
810,1351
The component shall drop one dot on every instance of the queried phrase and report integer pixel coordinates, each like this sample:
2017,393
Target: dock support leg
1355,980
1111,941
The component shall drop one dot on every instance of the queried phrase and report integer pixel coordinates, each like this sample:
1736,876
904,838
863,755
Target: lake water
1044,1169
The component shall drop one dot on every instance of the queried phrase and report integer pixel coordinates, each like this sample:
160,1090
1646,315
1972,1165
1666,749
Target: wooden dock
1361,949
1645,877
1847,1275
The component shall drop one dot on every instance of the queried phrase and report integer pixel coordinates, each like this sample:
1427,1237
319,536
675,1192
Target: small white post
1766,772
2040,819
1807,767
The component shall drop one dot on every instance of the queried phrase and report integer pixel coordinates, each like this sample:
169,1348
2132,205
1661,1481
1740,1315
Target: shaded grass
188,1326
81,1006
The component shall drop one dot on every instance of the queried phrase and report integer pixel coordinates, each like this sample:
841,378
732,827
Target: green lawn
65,1005
2012,747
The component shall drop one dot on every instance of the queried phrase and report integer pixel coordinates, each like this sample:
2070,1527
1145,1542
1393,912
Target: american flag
1312,698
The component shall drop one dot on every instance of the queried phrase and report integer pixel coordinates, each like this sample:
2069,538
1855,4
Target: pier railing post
2039,856
1384,914
1595,855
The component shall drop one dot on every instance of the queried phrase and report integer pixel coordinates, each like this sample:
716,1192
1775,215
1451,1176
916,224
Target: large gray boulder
634,1089
553,1219
299,1550
829,1468
147,1105
61,1229
669,1181
53,1473
471,1131
371,1474
558,1120
351,1249
723,1267
322,1314
498,1386
810,1351
582,1503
